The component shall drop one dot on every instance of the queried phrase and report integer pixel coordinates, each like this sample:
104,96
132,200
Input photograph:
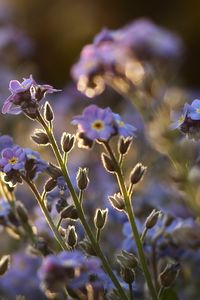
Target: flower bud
71,236
82,178
40,137
67,142
84,142
22,212
61,204
137,173
127,260
100,218
69,212
169,275
117,201
4,264
124,145
50,185
87,247
48,112
54,171
107,163
127,275
152,219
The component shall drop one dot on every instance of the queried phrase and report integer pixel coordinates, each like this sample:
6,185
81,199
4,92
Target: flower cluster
189,121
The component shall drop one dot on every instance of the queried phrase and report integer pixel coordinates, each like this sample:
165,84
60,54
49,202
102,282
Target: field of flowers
100,177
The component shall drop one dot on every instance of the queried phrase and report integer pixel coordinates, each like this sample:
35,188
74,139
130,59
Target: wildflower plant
75,263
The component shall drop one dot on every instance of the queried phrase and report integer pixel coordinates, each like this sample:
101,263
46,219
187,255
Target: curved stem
45,211
78,206
131,218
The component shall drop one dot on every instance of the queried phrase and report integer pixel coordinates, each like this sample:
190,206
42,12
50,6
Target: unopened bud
100,218
40,137
48,112
69,212
169,275
127,260
152,219
87,247
71,236
117,201
137,173
107,163
54,171
124,145
61,204
84,142
67,142
4,264
50,185
127,275
22,212
82,178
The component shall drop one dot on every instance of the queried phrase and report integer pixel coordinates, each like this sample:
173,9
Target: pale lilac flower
12,159
123,129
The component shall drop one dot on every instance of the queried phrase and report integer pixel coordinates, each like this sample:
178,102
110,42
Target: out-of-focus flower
124,129
180,119
194,110
6,141
5,210
12,159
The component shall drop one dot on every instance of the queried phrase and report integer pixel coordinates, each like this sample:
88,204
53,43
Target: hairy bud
71,236
152,219
124,145
50,185
4,264
54,171
169,275
48,112
40,138
87,247
100,218
127,260
127,275
117,201
137,173
69,212
67,142
82,178
107,163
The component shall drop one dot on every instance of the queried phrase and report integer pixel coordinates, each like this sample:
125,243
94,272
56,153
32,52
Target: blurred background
58,29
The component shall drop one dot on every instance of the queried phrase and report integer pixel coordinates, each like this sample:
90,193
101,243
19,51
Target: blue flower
123,129
95,123
180,119
5,209
12,159
39,164
194,110
6,141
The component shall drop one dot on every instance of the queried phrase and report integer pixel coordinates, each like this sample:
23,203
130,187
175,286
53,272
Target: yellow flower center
181,119
120,123
98,125
13,160
198,110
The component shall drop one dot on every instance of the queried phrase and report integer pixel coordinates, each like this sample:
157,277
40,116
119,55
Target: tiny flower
178,121
95,123
123,129
6,141
12,159
194,111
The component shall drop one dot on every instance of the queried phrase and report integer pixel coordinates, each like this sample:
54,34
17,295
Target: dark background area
60,28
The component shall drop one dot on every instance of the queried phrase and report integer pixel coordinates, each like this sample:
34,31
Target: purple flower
194,110
6,141
95,123
180,119
39,164
12,159
123,129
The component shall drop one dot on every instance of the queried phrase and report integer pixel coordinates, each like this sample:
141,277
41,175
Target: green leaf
168,294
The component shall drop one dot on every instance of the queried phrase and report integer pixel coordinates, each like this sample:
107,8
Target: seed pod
137,173
71,236
22,212
4,264
127,275
107,163
67,142
124,145
48,112
169,275
117,202
50,185
40,138
152,219
100,218
69,212
82,178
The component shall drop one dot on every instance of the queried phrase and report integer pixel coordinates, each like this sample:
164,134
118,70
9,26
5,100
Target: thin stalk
45,211
144,233
78,206
131,291
59,222
131,218
98,234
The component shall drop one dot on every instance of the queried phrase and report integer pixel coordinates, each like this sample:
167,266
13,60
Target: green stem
78,206
144,233
59,222
98,233
131,218
45,211
131,291
161,292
